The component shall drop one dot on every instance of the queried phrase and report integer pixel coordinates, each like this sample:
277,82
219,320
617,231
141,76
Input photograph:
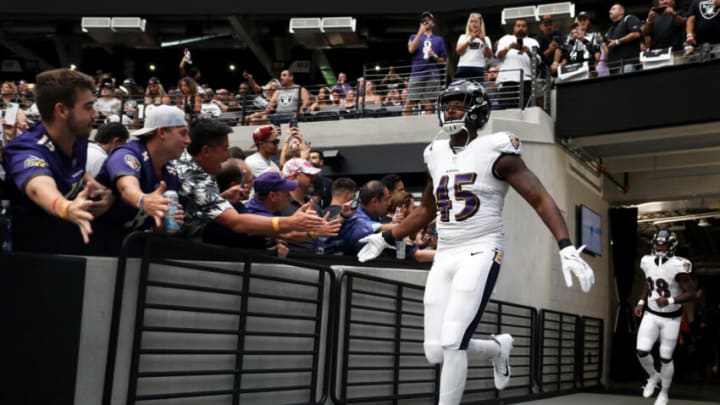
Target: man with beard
50,191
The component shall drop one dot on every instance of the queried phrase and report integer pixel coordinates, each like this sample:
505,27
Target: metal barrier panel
380,356
593,331
229,332
557,351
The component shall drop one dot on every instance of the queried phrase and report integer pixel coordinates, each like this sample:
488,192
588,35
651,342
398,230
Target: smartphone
520,43
355,199
659,10
293,124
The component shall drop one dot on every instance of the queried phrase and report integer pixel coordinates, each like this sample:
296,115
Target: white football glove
572,262
374,245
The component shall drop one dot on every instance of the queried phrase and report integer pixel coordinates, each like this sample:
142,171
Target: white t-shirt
515,60
469,195
107,106
95,158
210,109
259,165
474,53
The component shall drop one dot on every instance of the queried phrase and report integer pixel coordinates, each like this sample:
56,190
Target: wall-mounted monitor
589,230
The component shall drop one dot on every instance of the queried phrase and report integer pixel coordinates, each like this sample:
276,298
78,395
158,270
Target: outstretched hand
78,212
573,263
156,205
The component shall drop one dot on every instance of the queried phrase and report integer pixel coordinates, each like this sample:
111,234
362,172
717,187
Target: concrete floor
608,399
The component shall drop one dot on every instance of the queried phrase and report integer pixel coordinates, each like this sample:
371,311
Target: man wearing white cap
302,171
140,171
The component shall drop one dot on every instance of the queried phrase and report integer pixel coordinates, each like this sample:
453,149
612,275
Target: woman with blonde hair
474,48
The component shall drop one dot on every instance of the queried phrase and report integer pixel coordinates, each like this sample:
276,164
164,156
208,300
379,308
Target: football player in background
468,177
668,285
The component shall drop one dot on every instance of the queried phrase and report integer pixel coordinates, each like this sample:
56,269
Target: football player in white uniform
468,177
668,285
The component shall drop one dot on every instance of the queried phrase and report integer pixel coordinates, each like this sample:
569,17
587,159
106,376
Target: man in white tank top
668,285
468,177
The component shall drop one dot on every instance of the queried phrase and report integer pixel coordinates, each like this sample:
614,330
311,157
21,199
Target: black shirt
665,33
544,42
626,50
707,21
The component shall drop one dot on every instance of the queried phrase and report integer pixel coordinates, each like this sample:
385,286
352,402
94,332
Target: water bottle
5,226
400,249
320,244
171,224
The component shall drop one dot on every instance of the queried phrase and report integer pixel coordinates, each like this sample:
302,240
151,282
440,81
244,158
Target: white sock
452,376
487,349
647,364
666,374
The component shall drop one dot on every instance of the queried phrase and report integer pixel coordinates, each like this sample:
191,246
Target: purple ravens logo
132,161
514,141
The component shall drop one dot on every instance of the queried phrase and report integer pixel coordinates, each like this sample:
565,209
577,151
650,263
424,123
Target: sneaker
501,363
662,399
652,382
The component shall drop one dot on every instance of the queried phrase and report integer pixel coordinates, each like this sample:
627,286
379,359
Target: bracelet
671,301
64,210
343,216
54,203
276,224
140,200
641,302
563,243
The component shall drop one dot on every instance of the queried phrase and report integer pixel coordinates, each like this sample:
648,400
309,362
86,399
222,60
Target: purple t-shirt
33,154
133,159
422,67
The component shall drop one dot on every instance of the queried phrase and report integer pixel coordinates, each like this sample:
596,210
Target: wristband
563,243
140,200
276,224
54,203
343,216
641,302
671,301
387,235
64,210
617,42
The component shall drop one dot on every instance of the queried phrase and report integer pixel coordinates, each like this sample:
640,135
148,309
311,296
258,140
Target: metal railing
380,356
558,351
218,329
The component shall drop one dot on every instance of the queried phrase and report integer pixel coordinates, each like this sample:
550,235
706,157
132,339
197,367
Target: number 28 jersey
469,194
661,279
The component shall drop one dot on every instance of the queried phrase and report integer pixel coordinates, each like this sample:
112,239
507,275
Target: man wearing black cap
428,53
549,39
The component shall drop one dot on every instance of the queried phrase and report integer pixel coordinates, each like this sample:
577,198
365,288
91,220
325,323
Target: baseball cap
582,14
296,166
162,116
273,181
261,133
128,82
547,18
154,80
426,14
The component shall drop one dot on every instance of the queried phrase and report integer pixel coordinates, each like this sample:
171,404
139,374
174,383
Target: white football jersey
469,196
660,279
